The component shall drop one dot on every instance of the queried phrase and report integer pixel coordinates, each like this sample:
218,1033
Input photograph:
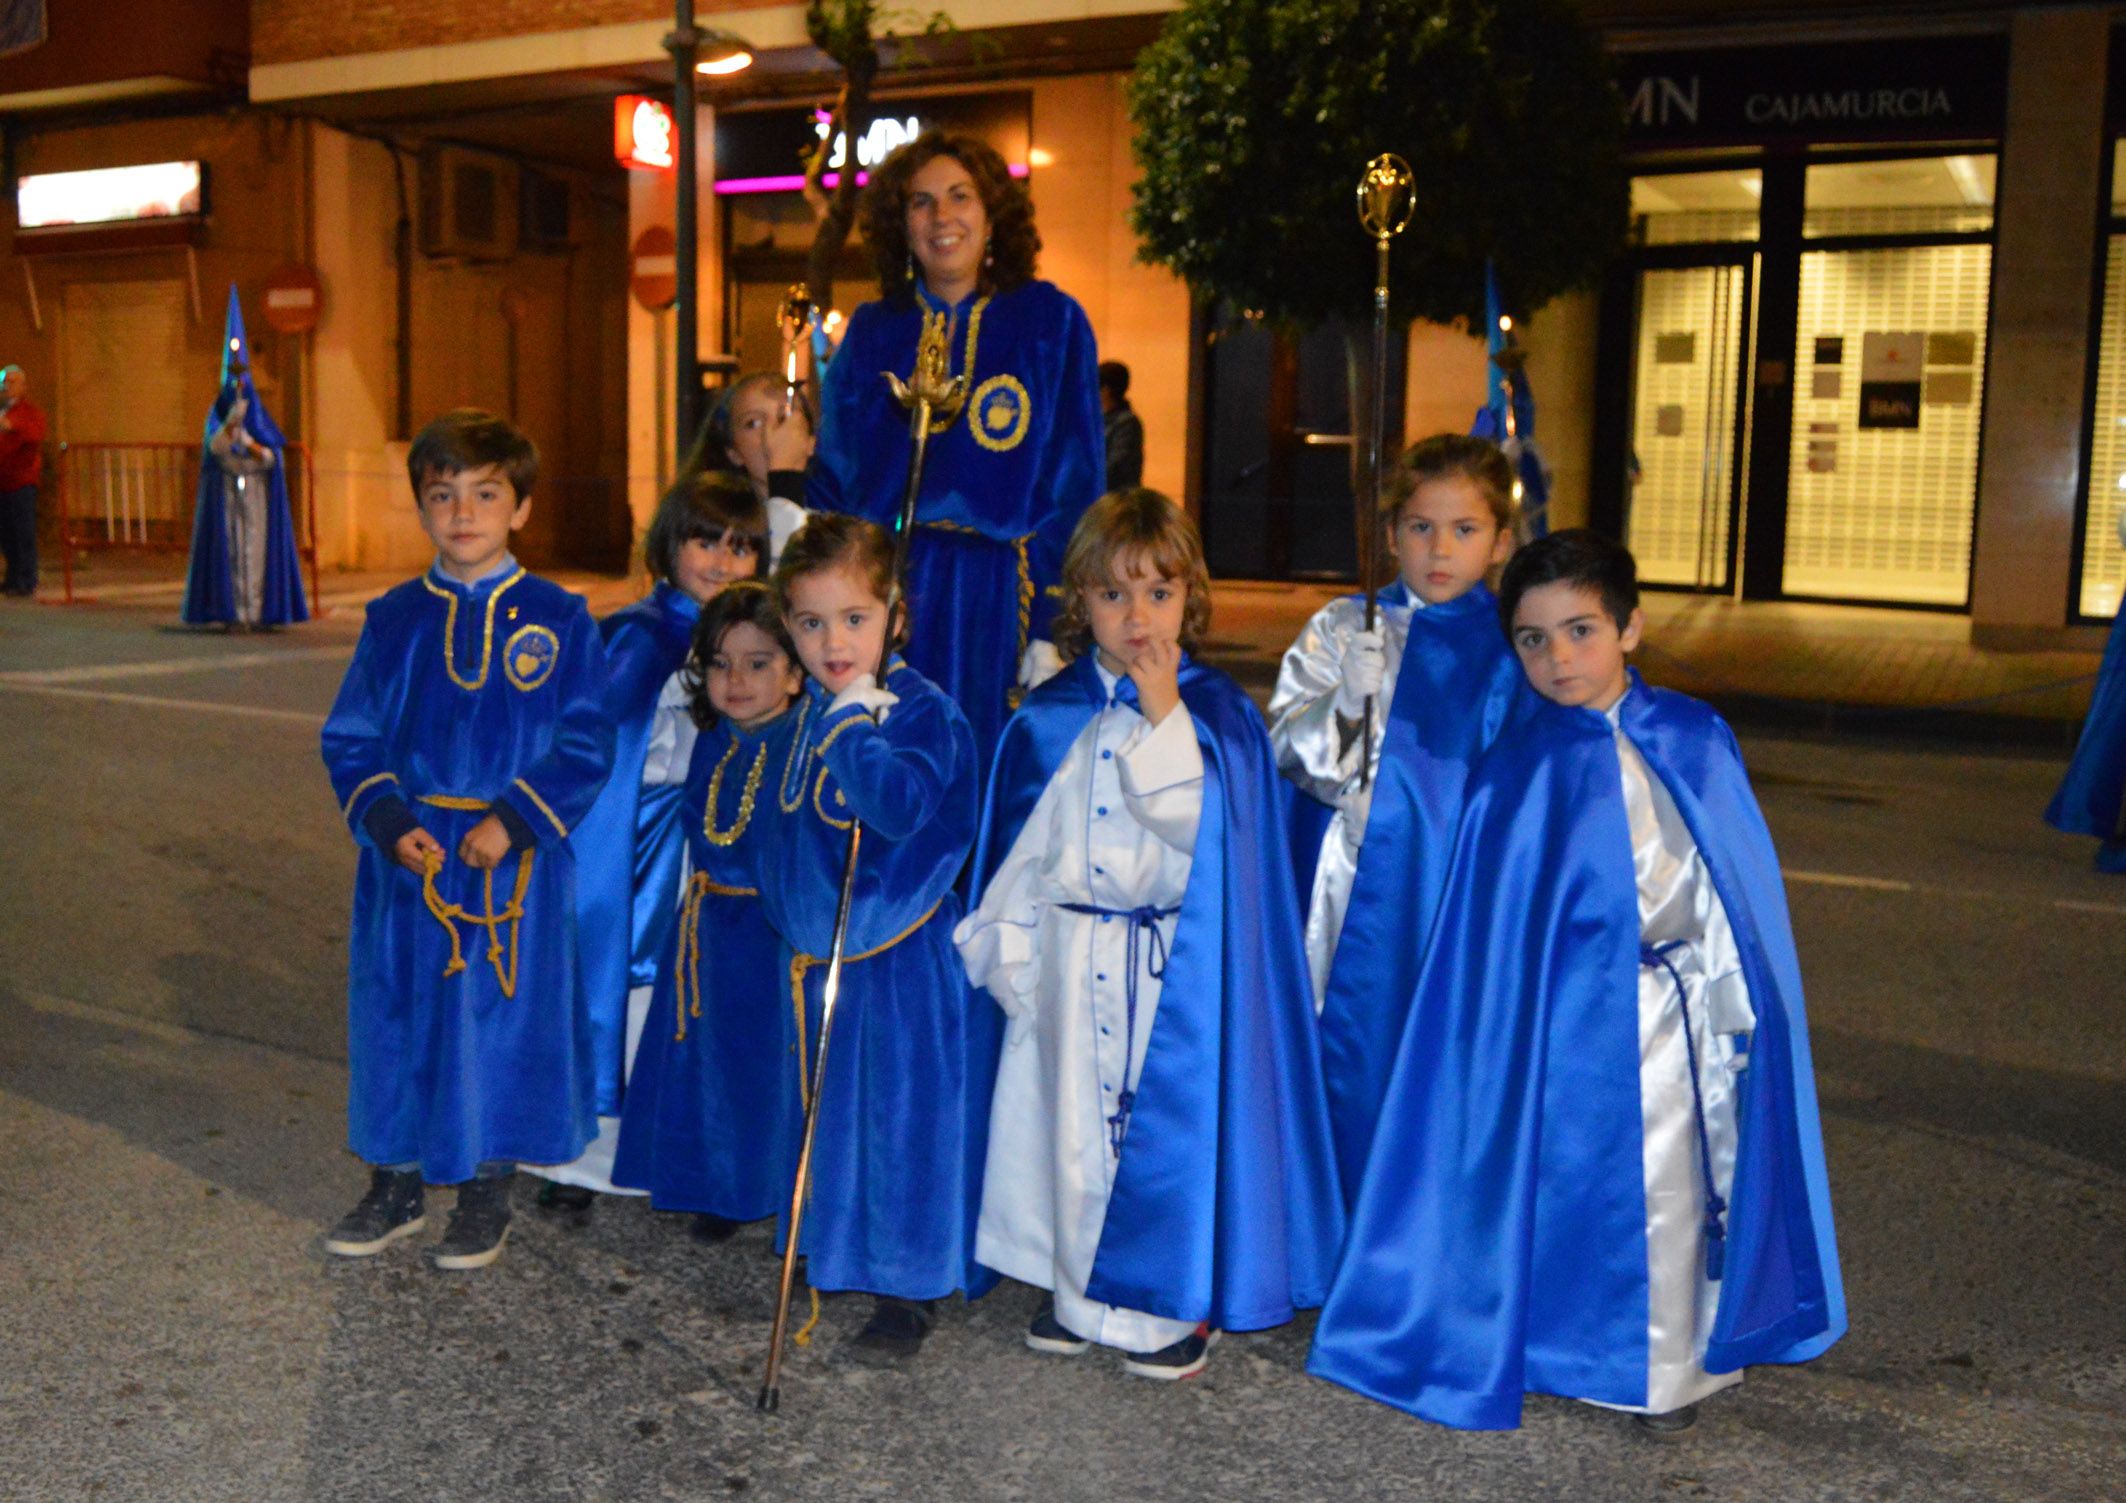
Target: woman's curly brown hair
1123,529
1014,244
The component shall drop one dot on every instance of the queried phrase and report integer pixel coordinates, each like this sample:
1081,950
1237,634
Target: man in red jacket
22,430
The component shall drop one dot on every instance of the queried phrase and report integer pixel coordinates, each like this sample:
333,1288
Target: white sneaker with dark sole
1184,1359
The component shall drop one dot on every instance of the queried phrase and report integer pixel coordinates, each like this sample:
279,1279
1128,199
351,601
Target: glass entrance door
1690,395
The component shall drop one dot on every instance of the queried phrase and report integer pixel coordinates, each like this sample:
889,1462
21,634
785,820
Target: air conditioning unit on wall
468,205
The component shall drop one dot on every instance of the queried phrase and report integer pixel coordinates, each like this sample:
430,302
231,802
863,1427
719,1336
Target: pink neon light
796,181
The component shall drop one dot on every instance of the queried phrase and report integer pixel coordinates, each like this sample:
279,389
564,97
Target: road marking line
2076,905
1840,879
159,702
66,1007
161,666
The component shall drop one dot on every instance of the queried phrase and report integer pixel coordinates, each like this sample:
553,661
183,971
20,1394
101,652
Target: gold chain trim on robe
795,759
746,796
487,632
687,964
801,964
974,335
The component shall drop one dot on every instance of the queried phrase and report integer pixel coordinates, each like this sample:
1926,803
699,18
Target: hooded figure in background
244,569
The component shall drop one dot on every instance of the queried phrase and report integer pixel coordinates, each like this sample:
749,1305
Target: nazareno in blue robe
1458,685
897,1158
209,591
1499,1242
715,1109
1225,1206
477,695
2092,797
1002,486
628,847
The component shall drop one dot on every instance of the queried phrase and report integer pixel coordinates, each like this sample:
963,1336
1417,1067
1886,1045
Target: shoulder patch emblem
529,656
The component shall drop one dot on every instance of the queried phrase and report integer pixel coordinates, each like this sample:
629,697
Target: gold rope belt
448,914
688,961
801,963
1018,544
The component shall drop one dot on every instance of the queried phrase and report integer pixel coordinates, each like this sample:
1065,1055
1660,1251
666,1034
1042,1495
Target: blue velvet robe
715,1109
897,1158
628,847
2092,797
1225,1206
210,596
492,693
1002,486
1458,685
1499,1242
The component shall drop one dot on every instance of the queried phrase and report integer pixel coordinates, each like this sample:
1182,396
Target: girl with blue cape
1443,683
953,237
897,1143
709,532
1158,1150
244,569
2092,797
712,1118
1599,1171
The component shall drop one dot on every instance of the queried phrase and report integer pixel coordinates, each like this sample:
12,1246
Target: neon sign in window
108,195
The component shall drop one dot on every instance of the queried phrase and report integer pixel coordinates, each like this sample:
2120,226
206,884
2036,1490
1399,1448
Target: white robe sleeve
1310,746
1162,780
784,518
672,736
996,941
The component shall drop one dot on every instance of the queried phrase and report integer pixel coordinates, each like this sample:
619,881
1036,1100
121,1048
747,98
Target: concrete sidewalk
1772,664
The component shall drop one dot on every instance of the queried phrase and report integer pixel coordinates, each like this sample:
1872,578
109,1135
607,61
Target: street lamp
695,52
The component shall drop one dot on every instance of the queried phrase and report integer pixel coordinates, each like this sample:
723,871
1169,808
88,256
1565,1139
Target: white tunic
1115,828
1312,752
1680,912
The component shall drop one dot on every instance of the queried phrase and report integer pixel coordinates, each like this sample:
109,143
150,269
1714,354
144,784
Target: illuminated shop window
1690,208
2104,485
1907,196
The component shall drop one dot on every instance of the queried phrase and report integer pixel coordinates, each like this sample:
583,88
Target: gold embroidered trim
796,759
544,808
819,788
347,810
979,404
746,796
456,801
835,734
487,632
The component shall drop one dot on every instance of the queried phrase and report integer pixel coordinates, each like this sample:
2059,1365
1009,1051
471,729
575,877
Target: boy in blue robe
1158,1150
1442,682
469,738
2092,796
709,532
1599,1171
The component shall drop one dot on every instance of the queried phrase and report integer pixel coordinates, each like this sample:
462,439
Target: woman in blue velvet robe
1007,479
467,1037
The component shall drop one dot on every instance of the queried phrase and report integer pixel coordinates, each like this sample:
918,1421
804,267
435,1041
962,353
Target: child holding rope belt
470,735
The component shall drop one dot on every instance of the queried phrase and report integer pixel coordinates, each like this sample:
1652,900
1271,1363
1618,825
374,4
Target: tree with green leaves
1255,118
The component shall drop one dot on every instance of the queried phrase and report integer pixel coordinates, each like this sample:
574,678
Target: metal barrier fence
140,498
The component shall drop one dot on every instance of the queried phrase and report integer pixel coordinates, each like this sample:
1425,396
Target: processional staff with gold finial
1386,198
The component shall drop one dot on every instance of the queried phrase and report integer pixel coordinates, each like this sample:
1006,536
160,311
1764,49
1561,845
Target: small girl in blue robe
1442,682
469,739
1599,1171
1158,1150
2092,796
713,1110
897,1147
709,531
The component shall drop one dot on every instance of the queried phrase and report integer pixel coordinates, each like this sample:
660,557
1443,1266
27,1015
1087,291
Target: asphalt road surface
172,1086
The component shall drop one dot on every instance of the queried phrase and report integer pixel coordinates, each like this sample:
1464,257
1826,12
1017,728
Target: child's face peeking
1446,538
749,678
839,625
753,412
1130,612
702,569
1570,647
469,516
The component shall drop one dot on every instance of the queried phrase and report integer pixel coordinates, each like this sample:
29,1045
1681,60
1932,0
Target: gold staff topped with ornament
1386,198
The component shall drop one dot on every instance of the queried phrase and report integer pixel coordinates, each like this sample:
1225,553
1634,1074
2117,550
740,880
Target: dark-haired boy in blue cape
1158,1149
1442,683
469,739
1599,1171
244,570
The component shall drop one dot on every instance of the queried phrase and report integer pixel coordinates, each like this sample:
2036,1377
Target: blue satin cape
897,1159
209,592
1225,1205
492,692
714,1111
628,847
1499,1242
2090,796
1002,486
1458,684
